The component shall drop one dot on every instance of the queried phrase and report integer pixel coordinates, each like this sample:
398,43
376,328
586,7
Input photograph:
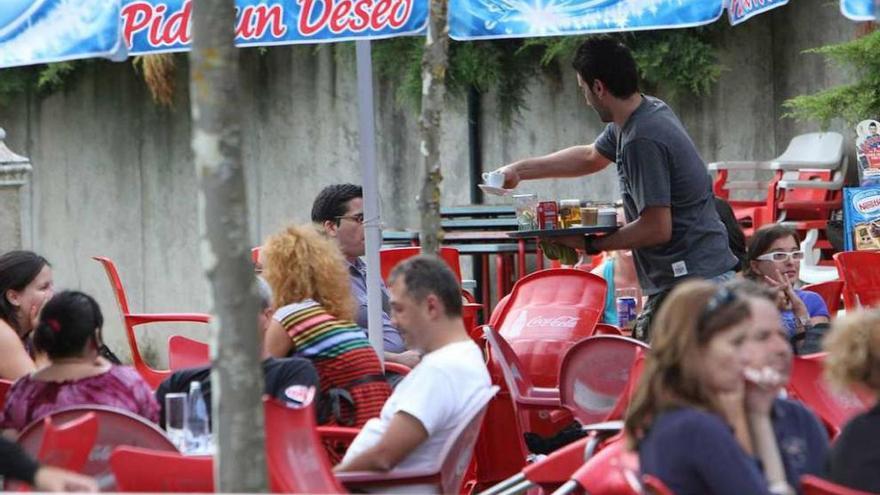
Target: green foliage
44,79
852,102
682,60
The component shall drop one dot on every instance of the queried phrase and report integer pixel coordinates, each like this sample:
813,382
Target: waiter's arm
652,228
570,162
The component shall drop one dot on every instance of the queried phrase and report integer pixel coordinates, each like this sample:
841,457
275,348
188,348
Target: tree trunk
434,63
237,381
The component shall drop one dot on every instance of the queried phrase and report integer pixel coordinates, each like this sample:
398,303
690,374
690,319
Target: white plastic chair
811,272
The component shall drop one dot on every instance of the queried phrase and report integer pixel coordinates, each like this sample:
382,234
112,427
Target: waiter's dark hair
610,61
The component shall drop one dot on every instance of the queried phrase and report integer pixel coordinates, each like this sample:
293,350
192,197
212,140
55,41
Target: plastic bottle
198,433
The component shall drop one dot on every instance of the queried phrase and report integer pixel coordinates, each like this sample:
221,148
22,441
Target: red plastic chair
814,485
116,427
607,329
145,470
830,293
68,445
547,312
295,456
390,257
451,463
184,352
4,389
834,407
152,376
595,374
65,446
525,395
614,470
860,271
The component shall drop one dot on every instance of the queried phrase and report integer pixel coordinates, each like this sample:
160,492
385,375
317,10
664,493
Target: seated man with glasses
774,259
339,211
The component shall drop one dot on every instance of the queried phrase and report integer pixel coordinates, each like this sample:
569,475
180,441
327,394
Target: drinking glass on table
175,419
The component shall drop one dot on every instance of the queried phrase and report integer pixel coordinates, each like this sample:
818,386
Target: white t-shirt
438,392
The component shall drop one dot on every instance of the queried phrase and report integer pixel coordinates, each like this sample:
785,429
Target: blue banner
485,19
44,31
858,10
741,10
151,26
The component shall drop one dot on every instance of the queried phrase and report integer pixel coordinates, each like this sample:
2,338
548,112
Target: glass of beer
569,212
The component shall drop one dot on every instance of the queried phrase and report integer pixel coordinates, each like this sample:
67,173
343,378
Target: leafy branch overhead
680,61
852,102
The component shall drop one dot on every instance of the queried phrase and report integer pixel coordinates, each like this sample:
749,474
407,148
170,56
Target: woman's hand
511,177
796,304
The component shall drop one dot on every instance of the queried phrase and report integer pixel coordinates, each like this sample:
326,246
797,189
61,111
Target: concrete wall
113,173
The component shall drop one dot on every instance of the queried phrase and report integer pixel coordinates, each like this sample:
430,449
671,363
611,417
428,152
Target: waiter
672,226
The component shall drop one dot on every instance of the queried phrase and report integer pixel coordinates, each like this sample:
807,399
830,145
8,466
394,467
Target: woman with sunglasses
774,259
69,333
680,419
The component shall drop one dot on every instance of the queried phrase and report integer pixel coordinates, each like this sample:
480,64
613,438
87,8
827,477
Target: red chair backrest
501,450
814,485
456,454
558,466
547,312
833,406
68,445
184,352
145,470
830,292
4,389
517,381
390,257
116,427
613,470
807,194
295,456
594,375
860,271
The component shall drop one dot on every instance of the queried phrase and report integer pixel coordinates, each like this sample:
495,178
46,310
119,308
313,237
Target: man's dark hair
332,200
427,274
610,61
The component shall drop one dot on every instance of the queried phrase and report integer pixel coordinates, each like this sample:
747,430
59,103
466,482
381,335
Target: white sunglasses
782,256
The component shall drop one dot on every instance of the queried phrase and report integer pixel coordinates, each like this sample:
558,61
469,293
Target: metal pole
372,215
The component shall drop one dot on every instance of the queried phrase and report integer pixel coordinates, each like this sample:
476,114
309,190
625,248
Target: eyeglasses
358,217
782,256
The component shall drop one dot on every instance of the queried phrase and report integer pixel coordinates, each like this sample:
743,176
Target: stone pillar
14,174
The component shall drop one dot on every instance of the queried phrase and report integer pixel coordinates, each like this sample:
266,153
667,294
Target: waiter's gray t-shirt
658,165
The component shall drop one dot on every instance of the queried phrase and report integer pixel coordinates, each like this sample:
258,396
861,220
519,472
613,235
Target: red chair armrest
393,477
398,368
337,433
143,318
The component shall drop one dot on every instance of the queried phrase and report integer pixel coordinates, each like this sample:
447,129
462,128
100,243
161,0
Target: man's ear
433,305
329,227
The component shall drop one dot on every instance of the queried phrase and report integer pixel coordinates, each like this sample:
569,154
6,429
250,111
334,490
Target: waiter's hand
511,177
572,241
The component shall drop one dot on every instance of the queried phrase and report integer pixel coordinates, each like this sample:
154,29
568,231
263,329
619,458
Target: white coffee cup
493,179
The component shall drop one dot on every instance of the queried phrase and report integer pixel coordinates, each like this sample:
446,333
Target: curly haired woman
854,359
314,320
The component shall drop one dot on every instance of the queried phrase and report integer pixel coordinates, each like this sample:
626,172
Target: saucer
498,191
